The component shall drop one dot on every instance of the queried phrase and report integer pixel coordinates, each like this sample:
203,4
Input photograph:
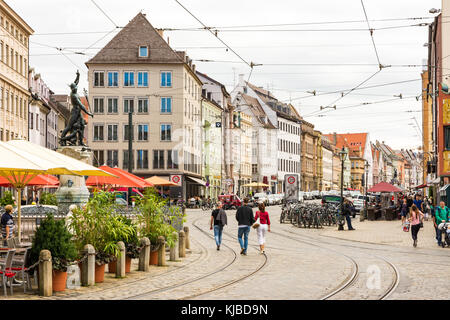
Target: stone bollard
120,264
144,255
45,273
88,267
162,252
181,244
186,239
174,250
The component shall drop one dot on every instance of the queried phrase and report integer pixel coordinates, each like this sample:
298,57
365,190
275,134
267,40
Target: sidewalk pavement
384,232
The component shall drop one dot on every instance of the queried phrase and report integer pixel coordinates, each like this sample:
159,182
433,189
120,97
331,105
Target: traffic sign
176,179
291,187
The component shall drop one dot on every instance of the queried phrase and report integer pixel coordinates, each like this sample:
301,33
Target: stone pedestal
72,189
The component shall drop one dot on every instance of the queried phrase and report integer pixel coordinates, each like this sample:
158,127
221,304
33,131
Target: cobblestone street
375,261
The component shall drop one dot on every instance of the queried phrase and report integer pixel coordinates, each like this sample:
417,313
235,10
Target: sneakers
352,229
245,253
242,251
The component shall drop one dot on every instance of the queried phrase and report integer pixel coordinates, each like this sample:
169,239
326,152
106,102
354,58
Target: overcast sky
328,53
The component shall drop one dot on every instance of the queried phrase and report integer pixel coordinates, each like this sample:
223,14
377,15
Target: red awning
384,187
39,180
124,179
421,186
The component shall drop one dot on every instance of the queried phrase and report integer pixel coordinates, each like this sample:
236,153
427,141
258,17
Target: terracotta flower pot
99,273
127,264
112,267
59,280
154,258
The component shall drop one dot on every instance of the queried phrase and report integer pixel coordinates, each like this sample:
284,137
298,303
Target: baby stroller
445,229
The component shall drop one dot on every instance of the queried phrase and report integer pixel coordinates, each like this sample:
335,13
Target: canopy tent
256,185
22,161
121,179
160,182
384,187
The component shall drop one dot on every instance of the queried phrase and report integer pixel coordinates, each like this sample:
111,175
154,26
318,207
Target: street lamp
343,157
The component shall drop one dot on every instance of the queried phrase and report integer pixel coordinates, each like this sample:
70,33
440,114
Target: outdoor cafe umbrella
384,187
256,185
160,182
121,179
39,180
22,161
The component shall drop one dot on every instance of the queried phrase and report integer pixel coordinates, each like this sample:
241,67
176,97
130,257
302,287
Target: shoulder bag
257,222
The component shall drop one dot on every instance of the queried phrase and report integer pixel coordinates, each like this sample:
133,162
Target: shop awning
421,186
444,188
197,181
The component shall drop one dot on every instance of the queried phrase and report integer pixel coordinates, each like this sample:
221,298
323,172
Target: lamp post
364,216
343,157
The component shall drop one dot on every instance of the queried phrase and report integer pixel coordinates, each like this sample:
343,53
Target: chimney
160,32
187,59
193,67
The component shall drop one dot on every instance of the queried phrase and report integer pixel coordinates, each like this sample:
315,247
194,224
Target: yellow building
427,125
14,58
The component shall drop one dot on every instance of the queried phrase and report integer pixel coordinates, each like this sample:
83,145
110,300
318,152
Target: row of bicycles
311,215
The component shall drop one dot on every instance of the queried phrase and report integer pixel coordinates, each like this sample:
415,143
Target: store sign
176,179
291,187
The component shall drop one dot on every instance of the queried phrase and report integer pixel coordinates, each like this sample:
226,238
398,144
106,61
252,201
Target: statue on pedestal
76,122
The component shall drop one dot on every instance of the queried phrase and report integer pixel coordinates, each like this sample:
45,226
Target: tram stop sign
291,187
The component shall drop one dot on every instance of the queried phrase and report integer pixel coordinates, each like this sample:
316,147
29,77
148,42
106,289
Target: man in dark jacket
347,212
245,219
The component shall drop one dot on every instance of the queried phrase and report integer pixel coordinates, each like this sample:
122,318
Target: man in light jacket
245,219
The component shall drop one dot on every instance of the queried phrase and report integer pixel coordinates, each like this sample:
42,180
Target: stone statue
76,122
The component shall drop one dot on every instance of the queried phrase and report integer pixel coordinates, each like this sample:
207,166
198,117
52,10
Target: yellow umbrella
157,181
256,185
22,160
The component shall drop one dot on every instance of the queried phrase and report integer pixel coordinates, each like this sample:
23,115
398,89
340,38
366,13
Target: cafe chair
5,270
21,266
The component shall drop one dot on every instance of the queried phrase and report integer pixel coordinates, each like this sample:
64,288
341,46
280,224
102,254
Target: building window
172,159
128,105
128,79
142,79
31,120
142,105
98,132
447,137
254,168
158,159
113,79
166,105
112,158
112,132
166,132
112,105
125,160
99,158
166,78
126,132
143,132
99,105
99,78
143,51
142,159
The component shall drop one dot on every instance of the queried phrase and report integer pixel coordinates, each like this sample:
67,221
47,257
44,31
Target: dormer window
143,51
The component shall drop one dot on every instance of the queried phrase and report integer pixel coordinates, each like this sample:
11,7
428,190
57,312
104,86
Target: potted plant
152,222
98,224
53,235
131,245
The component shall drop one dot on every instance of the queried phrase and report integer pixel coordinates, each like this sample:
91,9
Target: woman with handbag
262,225
415,218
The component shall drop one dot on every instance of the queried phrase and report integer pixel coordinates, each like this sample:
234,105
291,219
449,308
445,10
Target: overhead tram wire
371,35
109,18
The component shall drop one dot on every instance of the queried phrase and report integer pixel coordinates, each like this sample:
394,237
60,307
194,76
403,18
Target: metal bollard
88,266
144,255
120,264
187,241
174,250
45,273
162,251
181,244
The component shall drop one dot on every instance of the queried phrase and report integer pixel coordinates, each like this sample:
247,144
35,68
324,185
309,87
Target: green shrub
53,235
48,199
7,199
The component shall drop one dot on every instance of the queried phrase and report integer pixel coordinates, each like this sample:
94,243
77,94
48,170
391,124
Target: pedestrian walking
416,220
7,223
219,219
264,226
404,211
347,212
418,202
441,215
244,217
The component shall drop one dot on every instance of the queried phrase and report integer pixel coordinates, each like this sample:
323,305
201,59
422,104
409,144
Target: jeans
244,243
218,234
349,221
438,236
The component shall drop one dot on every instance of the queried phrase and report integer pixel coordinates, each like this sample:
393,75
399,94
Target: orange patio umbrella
39,180
123,179
157,181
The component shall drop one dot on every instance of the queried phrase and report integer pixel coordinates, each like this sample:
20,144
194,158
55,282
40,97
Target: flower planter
127,264
112,267
59,280
99,273
154,258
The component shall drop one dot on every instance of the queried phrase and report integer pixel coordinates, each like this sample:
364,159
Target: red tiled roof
351,140
86,105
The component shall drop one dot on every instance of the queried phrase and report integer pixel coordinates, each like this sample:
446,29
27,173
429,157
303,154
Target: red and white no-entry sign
291,180
176,179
